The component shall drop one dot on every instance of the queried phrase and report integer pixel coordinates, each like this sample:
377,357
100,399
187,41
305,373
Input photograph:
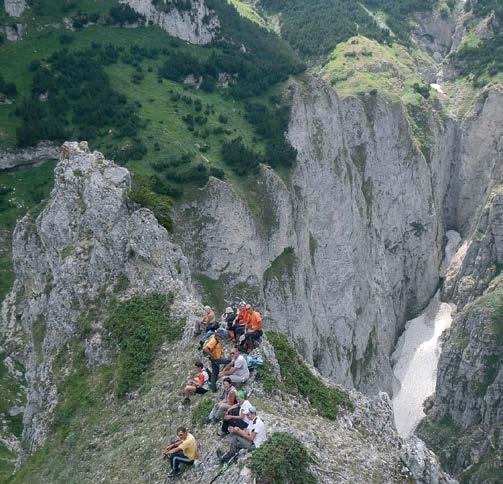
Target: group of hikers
241,425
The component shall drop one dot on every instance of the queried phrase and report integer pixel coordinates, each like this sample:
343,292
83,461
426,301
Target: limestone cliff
197,24
465,423
88,243
349,246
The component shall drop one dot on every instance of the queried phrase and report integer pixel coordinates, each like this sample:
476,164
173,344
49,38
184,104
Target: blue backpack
254,362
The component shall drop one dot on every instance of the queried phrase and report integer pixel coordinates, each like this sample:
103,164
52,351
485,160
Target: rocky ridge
197,25
88,239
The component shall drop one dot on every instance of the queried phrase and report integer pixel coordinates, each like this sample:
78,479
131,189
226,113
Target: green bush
139,326
266,376
282,459
298,378
201,409
143,194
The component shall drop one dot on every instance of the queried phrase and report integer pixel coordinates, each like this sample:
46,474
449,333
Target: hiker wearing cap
237,369
236,416
200,384
228,400
213,349
207,322
182,451
253,331
250,438
241,321
228,318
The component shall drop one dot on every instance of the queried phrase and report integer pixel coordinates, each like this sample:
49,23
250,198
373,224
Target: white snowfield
416,356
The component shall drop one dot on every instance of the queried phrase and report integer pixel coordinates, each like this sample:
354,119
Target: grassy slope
361,64
166,135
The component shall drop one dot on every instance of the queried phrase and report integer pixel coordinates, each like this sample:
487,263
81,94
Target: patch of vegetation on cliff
20,191
139,326
283,266
214,294
299,379
442,436
282,458
482,58
362,65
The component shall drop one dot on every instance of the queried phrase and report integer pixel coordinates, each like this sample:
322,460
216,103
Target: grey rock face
477,165
422,463
13,158
465,425
351,243
478,259
15,8
343,248
87,240
197,25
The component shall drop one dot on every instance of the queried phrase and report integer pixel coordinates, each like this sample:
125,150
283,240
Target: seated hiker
200,384
228,400
207,323
235,416
250,438
253,331
228,318
213,349
240,322
182,451
237,369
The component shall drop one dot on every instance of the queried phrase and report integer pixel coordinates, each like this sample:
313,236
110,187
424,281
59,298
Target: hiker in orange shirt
241,321
253,331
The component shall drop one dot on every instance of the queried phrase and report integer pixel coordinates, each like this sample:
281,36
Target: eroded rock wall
345,247
87,242
197,25
349,246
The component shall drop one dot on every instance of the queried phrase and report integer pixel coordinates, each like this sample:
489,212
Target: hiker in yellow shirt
182,451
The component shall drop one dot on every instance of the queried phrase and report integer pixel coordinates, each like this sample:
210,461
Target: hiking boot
227,457
173,473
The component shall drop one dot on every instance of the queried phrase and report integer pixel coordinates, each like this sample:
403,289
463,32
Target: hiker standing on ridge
182,451
213,349
250,438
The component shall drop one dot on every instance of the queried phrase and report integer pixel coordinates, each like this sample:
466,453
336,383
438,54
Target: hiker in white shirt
250,438
237,369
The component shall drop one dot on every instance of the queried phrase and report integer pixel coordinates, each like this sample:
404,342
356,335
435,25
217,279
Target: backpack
254,362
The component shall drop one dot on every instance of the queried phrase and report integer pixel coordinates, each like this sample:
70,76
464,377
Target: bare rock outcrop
15,8
87,245
197,24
